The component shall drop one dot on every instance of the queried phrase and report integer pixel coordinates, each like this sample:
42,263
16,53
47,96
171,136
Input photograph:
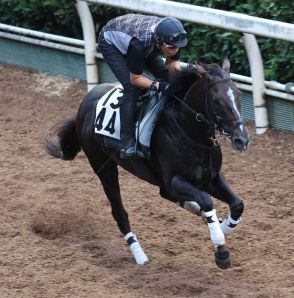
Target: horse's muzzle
240,139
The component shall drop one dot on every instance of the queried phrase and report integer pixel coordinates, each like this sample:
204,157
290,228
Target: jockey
130,44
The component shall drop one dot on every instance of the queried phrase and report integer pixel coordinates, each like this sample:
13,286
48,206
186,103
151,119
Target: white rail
57,42
256,68
208,16
41,35
74,46
245,24
90,43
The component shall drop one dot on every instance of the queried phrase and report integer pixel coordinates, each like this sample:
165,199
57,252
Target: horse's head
222,104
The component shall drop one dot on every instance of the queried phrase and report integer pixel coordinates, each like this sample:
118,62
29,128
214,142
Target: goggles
173,38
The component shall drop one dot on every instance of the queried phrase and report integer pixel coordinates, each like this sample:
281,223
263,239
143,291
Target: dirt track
58,238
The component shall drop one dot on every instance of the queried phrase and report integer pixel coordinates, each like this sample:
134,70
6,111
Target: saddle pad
107,120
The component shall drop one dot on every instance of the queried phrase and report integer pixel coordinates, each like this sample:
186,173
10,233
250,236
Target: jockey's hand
154,86
162,86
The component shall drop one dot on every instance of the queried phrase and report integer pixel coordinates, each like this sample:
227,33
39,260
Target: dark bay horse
185,158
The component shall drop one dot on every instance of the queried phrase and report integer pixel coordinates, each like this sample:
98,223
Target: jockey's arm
135,61
140,81
172,65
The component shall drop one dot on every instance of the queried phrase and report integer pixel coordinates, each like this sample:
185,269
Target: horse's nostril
239,144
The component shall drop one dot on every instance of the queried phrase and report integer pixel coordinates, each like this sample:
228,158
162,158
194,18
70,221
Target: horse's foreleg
183,191
192,207
220,189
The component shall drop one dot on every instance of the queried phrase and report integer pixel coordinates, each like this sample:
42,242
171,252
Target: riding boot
127,130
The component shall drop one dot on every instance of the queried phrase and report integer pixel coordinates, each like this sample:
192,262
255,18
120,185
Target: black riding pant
118,64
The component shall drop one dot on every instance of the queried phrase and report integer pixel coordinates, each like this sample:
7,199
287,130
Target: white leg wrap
136,249
229,224
193,207
216,234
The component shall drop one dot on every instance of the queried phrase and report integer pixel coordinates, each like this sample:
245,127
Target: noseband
207,118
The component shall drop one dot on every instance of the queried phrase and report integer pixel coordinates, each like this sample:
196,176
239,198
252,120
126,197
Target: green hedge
51,16
207,44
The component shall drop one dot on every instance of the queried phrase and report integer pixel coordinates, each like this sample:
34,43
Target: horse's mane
182,80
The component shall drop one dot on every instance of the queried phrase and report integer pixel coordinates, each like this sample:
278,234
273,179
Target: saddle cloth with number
107,120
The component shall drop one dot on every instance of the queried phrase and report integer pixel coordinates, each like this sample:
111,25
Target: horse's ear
199,70
226,65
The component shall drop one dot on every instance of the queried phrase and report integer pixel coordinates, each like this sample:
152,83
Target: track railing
247,25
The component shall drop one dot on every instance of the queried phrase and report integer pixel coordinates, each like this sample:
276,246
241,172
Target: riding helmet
171,32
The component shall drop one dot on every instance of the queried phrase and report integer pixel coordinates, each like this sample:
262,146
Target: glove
153,86
163,87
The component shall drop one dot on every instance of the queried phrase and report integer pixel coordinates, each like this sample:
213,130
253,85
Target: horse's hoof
222,257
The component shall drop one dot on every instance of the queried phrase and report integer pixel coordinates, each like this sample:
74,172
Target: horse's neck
198,131
195,96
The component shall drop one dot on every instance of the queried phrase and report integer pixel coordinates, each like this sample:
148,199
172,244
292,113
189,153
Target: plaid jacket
133,25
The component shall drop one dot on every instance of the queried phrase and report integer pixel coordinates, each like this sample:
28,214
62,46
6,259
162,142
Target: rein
199,116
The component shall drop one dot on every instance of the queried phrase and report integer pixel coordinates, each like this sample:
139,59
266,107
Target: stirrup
131,152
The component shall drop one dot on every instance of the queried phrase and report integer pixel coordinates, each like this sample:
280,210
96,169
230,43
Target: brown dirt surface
58,237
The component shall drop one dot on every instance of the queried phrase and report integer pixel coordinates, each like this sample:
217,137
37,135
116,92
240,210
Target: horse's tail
62,140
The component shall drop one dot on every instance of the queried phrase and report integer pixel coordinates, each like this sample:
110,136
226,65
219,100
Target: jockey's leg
118,64
127,122
183,191
220,189
128,125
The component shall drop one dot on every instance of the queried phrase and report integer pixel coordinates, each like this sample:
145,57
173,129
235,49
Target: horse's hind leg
106,170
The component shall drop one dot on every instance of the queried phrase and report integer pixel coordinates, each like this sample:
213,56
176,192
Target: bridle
207,117
218,119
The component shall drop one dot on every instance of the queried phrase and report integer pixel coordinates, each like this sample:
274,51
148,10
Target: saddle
107,120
